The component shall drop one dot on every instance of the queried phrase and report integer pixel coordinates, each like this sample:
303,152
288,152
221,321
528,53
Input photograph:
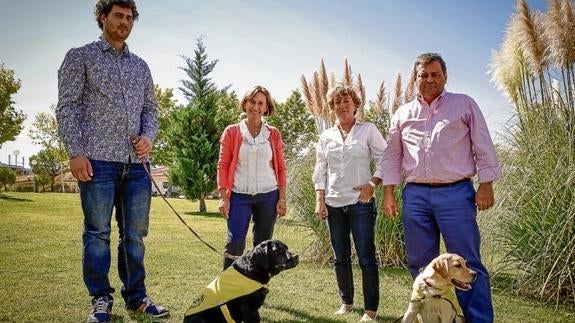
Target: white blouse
254,172
342,165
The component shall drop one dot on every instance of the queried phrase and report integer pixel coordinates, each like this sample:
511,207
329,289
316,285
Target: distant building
160,176
20,170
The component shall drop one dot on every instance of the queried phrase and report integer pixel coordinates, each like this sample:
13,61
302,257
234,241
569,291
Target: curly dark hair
103,7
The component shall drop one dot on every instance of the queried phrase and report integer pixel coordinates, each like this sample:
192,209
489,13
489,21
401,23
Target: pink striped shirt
439,143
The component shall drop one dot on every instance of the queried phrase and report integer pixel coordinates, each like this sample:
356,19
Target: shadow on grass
204,214
3,196
300,316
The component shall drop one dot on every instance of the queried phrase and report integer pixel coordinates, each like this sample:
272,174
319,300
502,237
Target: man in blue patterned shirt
107,119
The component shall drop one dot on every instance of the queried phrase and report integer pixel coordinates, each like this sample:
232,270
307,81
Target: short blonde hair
341,90
252,92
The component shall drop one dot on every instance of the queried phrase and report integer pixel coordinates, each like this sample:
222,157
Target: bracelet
372,183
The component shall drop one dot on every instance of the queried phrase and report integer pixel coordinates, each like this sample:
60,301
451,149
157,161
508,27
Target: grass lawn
41,281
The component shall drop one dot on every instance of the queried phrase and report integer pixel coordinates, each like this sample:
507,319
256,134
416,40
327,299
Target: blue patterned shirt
104,100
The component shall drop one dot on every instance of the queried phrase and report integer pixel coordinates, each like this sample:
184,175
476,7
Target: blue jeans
243,207
127,188
359,220
449,211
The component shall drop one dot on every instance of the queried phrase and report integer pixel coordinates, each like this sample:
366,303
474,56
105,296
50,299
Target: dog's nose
295,258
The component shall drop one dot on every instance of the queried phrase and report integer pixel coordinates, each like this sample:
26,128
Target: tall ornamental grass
536,235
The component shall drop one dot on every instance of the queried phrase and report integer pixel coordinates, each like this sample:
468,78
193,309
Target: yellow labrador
433,296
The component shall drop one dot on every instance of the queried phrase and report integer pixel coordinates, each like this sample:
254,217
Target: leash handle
180,217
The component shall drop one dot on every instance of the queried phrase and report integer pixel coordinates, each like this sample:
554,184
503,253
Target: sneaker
343,309
101,308
368,316
151,309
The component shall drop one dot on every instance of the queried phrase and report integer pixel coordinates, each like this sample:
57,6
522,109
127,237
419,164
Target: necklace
344,133
255,132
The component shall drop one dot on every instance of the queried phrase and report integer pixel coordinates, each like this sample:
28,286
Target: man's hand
484,198
81,168
389,203
142,146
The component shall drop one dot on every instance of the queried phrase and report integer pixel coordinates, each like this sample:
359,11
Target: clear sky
267,42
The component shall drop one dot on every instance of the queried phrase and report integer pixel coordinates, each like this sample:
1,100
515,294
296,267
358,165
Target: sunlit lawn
40,268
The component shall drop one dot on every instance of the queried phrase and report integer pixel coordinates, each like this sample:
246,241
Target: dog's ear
261,255
441,267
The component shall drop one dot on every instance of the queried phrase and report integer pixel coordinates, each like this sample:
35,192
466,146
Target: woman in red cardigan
251,174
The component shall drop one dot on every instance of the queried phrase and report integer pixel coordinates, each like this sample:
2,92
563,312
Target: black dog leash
227,255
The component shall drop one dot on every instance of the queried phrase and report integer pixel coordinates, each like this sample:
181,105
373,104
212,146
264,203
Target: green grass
40,268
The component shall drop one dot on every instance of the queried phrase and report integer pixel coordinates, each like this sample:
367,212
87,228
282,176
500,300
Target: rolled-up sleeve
377,147
69,110
319,176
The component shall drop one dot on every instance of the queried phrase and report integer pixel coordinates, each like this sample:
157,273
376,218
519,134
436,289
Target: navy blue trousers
449,211
243,208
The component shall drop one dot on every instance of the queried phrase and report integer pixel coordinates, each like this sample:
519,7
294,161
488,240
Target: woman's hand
281,207
320,210
224,206
365,192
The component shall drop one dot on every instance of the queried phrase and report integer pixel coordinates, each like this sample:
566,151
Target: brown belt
441,184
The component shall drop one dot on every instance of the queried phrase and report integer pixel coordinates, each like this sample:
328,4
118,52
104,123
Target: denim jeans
359,220
127,188
450,212
243,207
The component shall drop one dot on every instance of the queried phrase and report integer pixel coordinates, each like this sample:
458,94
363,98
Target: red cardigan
230,143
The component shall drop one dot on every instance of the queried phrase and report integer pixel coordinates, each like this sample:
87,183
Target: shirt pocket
359,149
333,152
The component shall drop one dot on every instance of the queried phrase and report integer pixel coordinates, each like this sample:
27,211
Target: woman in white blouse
251,174
344,188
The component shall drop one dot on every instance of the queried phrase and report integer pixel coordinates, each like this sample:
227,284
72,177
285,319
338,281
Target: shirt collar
437,99
105,46
357,122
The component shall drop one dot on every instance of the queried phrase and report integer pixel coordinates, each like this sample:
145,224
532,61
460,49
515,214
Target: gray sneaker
101,308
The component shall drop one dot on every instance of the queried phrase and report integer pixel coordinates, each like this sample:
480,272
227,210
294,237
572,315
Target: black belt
441,184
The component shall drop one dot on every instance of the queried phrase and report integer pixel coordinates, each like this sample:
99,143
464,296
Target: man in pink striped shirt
440,141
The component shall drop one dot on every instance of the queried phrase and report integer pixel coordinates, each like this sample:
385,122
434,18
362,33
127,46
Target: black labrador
253,269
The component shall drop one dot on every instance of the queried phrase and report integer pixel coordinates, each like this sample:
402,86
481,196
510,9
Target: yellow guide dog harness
417,295
229,285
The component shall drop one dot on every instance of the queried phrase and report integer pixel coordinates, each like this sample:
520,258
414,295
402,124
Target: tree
195,139
199,85
47,163
44,132
194,133
7,176
228,112
11,120
162,154
296,125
